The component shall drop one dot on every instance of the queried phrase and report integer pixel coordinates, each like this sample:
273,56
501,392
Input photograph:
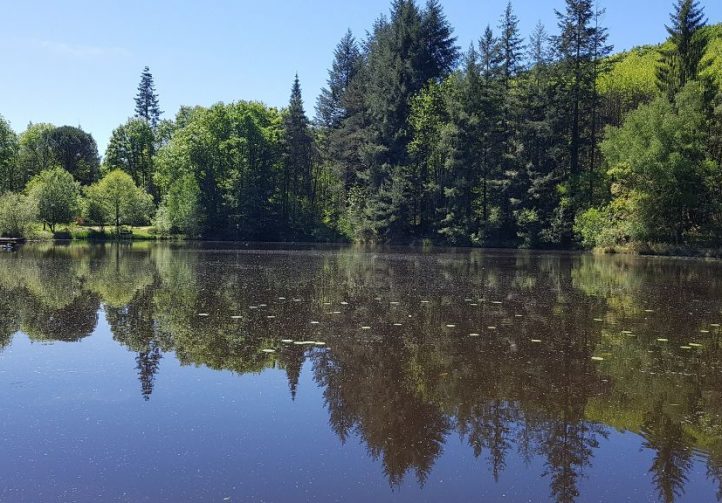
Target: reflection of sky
76,427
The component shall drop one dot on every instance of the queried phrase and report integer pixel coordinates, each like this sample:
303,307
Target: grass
89,233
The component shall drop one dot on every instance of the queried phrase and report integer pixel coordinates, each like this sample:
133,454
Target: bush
17,215
603,227
57,196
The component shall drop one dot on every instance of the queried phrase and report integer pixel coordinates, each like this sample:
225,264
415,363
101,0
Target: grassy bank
661,249
87,233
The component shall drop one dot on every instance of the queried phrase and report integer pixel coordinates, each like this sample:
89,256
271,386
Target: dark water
161,373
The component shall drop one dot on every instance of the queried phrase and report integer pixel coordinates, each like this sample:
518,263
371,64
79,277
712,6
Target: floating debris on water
203,314
236,317
662,340
296,300
474,305
270,317
536,341
268,350
491,328
598,320
649,310
344,303
704,331
425,301
397,324
315,322
496,302
319,343
474,335
282,298
365,327
685,347
695,345
518,316
304,343
450,326
626,332
716,325
394,303
287,341
597,358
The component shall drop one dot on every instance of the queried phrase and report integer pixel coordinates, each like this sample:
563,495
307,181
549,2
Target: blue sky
78,62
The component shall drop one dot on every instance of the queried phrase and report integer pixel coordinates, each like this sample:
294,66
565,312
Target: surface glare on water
151,372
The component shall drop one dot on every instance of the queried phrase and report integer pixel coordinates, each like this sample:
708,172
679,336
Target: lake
161,372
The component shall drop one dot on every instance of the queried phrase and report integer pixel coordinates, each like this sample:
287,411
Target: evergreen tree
330,107
681,62
413,48
298,191
579,47
511,44
511,48
146,101
538,176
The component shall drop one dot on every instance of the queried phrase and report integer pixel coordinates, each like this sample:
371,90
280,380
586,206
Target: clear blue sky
78,62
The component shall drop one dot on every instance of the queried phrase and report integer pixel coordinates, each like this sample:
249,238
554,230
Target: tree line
545,141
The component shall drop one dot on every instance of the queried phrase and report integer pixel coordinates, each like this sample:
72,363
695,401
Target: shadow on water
524,356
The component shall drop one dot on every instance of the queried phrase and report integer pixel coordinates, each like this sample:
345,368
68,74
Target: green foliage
662,179
146,101
297,180
34,152
9,178
76,152
116,200
131,148
681,59
57,196
18,212
233,152
330,107
179,212
410,146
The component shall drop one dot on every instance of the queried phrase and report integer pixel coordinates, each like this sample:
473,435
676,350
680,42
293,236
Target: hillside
632,74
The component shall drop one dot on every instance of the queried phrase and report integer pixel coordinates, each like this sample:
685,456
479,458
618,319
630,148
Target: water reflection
523,356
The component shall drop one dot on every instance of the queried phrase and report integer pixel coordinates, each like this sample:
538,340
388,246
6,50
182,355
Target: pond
213,372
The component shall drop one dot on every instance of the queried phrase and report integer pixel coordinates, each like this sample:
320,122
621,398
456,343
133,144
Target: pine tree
404,54
537,178
297,190
511,48
600,50
681,63
492,129
511,44
330,108
580,46
146,101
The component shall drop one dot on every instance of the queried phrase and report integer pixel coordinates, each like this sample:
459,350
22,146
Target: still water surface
213,373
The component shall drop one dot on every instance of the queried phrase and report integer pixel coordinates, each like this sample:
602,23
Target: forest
541,140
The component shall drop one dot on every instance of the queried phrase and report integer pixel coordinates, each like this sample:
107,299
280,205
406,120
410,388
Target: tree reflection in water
493,347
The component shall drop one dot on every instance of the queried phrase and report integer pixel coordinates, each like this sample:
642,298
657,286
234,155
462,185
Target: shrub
17,215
